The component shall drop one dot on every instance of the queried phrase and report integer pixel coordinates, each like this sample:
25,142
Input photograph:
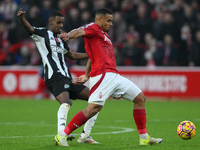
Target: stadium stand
145,32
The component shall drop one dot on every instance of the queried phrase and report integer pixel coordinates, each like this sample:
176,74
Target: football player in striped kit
56,74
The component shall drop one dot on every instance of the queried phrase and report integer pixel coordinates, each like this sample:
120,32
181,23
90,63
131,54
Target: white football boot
85,138
62,141
150,141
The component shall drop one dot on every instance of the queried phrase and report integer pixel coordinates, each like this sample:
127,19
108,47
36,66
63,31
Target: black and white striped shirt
52,50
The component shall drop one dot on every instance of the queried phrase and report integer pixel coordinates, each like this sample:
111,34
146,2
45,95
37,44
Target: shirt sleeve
89,30
38,32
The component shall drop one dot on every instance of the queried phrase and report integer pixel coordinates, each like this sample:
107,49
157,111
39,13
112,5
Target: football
186,130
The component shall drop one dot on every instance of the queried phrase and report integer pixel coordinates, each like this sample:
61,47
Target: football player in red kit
105,80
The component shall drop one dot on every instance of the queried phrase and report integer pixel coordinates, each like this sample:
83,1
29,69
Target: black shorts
59,83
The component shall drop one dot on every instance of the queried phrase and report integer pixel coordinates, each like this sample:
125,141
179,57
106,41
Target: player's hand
64,36
80,80
20,13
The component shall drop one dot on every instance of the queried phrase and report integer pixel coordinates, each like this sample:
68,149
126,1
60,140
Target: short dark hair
55,13
103,11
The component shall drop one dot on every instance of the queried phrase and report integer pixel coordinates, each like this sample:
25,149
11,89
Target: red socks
139,116
78,120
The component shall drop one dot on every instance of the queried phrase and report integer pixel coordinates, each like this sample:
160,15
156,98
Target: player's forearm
26,25
81,55
88,68
76,56
76,33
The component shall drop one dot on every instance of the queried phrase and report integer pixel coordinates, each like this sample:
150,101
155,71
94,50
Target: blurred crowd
144,32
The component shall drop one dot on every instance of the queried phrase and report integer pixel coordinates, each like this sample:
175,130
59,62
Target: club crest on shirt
100,95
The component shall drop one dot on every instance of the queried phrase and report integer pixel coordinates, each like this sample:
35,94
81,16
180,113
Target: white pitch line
118,121
124,130
26,123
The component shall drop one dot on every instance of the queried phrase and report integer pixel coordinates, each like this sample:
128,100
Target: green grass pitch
31,125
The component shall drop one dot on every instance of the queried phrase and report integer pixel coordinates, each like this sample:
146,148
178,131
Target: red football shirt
99,48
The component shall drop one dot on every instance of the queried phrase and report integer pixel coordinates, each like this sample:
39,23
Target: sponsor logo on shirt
107,39
58,49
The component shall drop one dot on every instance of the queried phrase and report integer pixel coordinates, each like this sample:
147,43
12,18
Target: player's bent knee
69,102
92,110
140,98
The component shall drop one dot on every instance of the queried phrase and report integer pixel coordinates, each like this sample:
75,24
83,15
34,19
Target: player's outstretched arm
25,23
79,32
74,56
